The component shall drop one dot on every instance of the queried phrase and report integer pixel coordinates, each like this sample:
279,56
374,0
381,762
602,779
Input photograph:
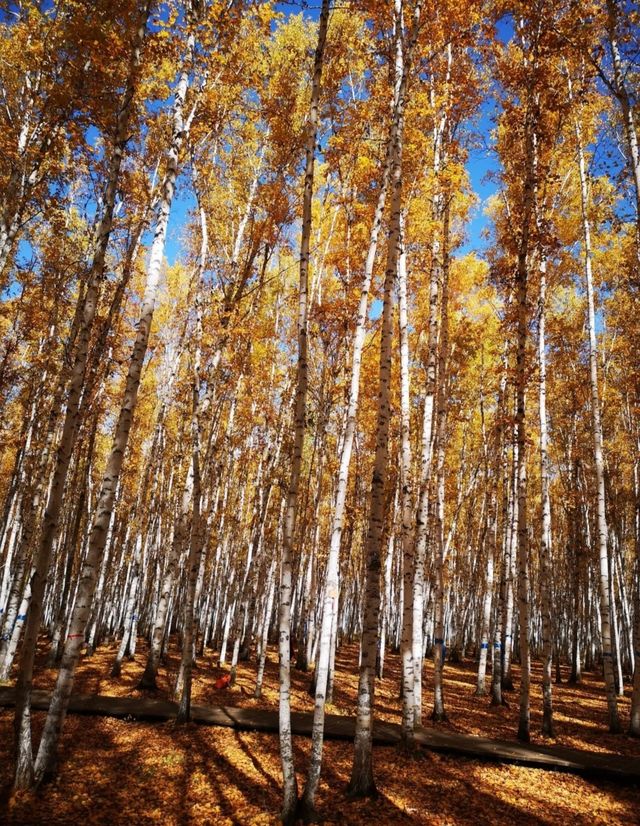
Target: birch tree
86,312
290,800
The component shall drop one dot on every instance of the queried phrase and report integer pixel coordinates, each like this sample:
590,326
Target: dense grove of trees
254,388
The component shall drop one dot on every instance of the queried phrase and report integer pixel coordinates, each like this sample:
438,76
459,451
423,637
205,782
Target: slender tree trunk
81,613
576,556
502,458
605,607
545,537
491,529
634,722
417,601
271,589
362,783
633,158
509,559
528,198
407,506
195,557
130,609
331,590
13,638
24,775
290,790
439,714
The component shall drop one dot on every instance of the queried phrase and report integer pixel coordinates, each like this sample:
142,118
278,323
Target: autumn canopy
319,354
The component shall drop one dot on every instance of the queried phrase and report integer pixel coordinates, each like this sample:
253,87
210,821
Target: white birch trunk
439,714
417,601
330,601
264,636
103,511
362,782
407,503
605,607
545,536
290,786
24,776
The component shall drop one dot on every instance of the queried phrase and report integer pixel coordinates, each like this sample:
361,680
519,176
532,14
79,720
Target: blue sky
482,160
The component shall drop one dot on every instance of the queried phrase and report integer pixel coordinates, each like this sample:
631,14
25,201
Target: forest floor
114,772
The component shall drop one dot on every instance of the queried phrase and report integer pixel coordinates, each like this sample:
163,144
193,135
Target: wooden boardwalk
337,727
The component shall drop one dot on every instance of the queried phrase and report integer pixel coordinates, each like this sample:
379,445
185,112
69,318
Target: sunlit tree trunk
307,613
331,589
521,477
175,544
13,636
522,327
605,606
264,636
290,790
545,472
196,538
362,782
387,606
634,722
510,542
407,504
492,468
136,562
545,536
417,601
24,775
104,507
633,158
439,713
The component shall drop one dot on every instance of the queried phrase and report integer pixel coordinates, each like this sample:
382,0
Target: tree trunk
545,536
605,607
104,507
439,714
331,590
362,782
522,274
24,776
407,506
417,602
290,786
634,722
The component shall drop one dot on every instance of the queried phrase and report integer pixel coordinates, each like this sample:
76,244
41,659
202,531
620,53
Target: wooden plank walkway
337,727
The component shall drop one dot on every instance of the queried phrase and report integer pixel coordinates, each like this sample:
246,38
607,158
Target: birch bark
417,601
522,331
290,790
331,590
491,476
439,713
196,547
104,507
605,606
622,93
24,776
362,782
545,536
